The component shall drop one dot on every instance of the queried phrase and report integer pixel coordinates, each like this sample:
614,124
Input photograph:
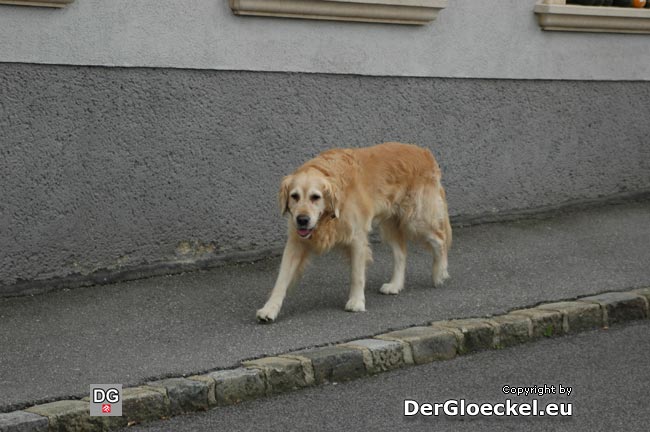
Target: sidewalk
55,345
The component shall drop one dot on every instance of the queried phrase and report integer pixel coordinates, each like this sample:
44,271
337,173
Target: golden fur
336,198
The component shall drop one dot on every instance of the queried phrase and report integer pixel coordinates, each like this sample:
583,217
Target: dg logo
106,399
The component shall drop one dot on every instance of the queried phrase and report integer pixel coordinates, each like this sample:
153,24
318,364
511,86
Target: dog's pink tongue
303,232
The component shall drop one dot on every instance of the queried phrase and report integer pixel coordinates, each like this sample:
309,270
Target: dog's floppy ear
283,196
332,197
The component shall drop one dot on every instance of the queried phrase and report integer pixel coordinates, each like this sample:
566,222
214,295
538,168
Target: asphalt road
607,371
54,345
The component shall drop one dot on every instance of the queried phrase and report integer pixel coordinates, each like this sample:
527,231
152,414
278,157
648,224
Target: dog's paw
389,288
267,314
356,305
439,279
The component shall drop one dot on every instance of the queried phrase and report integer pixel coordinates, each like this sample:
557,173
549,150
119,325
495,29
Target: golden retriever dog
335,199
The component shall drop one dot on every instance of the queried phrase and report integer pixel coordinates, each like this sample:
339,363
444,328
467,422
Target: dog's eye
315,197
295,196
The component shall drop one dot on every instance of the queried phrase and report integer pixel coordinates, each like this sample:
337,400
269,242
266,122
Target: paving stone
645,292
184,395
545,322
140,404
333,363
511,329
283,374
427,343
382,355
577,316
22,421
475,334
212,401
74,416
236,385
619,306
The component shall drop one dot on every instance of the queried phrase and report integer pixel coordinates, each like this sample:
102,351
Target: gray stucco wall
471,38
111,168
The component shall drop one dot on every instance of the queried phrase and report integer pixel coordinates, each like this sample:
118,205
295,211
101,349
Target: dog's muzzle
302,223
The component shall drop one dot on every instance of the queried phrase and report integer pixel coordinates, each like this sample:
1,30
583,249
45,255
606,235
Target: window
558,15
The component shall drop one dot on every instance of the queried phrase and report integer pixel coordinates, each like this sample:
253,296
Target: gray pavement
606,370
54,345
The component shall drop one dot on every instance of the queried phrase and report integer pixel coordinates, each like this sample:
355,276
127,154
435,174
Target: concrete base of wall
111,171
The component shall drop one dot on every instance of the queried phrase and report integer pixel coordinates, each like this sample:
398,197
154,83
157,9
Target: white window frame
417,12
39,3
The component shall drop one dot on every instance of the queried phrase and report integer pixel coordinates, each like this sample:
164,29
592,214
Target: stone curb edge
440,340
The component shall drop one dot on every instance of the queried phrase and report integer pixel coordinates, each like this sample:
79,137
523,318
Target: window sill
40,3
556,15
416,12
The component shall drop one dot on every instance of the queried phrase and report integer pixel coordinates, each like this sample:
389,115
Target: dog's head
308,197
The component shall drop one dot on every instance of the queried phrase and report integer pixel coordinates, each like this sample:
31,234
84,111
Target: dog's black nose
302,220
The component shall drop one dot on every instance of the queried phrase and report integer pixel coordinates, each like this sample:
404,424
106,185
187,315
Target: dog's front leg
294,259
359,256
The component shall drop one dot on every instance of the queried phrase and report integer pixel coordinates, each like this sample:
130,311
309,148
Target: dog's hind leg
391,233
439,245
435,230
359,256
294,259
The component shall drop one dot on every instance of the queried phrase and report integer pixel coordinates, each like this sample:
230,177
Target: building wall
145,136
473,39
113,168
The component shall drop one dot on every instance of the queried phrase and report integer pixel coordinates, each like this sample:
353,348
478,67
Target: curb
440,340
